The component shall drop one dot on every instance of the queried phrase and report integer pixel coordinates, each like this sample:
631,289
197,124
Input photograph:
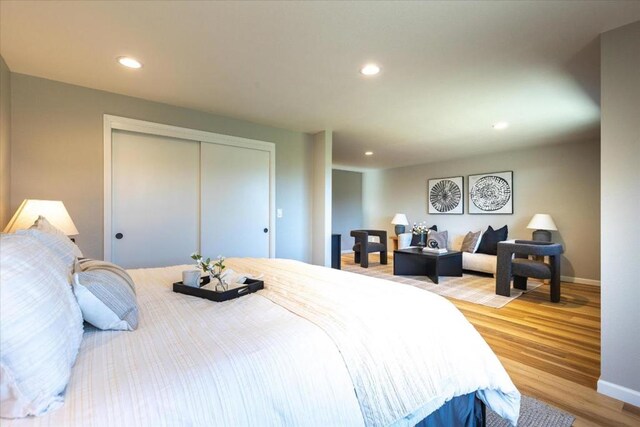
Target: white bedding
292,354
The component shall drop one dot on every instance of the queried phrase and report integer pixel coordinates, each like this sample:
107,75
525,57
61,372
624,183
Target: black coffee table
414,262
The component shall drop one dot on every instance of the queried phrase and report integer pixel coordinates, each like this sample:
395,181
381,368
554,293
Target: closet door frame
112,123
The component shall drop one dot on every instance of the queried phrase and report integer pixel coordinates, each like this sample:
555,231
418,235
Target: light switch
279,213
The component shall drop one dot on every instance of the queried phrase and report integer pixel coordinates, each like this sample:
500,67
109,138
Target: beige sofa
483,263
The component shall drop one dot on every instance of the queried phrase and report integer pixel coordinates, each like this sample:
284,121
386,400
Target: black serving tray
249,287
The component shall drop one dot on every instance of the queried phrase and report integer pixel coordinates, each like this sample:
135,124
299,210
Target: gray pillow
106,297
470,241
437,240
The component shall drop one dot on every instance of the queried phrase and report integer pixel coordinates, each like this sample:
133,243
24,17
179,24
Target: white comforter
292,354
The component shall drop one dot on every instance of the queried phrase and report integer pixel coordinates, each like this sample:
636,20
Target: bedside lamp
399,220
53,210
542,223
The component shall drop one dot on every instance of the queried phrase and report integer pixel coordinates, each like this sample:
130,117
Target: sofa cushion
437,240
416,237
490,239
471,241
479,262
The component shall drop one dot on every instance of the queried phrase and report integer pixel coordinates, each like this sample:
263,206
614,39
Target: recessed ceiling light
370,70
368,153
129,62
500,125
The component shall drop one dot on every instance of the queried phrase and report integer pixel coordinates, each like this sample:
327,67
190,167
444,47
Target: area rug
470,287
533,413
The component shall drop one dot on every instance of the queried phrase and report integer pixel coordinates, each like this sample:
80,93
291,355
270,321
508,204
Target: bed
316,346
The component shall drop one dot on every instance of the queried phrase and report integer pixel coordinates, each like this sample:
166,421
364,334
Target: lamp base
399,229
541,236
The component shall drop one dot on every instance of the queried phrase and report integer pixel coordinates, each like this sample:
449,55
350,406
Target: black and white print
491,193
445,195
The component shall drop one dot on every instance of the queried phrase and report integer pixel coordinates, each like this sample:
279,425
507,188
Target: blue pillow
490,238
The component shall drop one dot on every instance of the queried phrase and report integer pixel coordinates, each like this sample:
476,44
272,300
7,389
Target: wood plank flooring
552,351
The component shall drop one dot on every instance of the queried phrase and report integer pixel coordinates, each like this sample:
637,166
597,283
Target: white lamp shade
399,219
542,222
53,210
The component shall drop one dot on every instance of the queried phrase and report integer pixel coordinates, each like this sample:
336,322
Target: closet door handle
266,230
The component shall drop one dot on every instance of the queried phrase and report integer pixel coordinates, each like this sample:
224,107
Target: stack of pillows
484,243
41,314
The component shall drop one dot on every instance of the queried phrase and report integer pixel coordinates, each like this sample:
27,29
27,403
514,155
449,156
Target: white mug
191,278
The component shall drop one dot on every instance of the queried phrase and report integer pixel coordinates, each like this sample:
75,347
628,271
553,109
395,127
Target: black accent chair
514,261
364,247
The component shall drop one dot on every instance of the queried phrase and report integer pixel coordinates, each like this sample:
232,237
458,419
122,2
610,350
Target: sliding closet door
155,200
235,201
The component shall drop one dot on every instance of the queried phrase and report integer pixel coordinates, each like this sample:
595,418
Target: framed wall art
445,195
491,193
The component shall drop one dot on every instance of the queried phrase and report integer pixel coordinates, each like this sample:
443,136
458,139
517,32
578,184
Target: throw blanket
408,351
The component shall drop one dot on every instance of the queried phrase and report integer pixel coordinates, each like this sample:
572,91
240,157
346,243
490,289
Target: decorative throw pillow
106,295
490,239
40,328
42,224
471,241
54,239
475,249
415,239
437,240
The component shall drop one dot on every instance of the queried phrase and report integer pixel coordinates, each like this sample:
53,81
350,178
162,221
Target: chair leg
503,280
356,257
520,282
383,257
364,260
555,290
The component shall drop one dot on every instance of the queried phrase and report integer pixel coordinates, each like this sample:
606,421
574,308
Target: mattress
315,347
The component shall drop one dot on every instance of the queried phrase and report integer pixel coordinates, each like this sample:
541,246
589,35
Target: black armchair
363,247
513,261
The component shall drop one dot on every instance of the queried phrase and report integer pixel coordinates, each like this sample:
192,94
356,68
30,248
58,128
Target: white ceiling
449,69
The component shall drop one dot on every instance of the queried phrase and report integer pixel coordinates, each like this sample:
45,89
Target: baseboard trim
347,251
619,392
570,279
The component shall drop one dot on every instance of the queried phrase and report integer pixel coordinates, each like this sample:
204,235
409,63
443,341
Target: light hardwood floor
552,351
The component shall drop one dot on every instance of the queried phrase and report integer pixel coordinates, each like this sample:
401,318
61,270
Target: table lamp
53,210
399,220
542,223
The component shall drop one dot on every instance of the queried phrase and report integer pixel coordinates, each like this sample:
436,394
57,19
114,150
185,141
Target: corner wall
620,354
321,235
57,153
561,180
346,209
5,144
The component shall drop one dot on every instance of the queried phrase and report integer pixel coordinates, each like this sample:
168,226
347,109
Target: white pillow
42,224
40,327
54,239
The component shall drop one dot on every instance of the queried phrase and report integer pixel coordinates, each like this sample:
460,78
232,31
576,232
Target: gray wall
5,144
347,205
620,373
57,153
561,180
